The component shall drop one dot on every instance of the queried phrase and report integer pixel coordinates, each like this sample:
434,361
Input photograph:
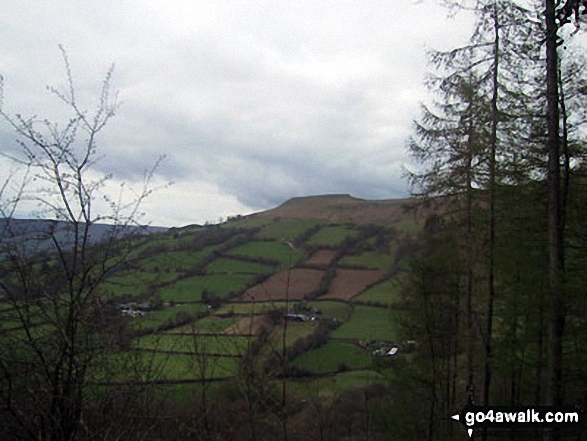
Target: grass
370,260
175,260
190,289
387,292
133,283
252,307
245,223
409,226
157,366
225,345
333,385
157,318
208,325
224,265
335,310
331,236
269,250
294,331
287,229
369,323
331,356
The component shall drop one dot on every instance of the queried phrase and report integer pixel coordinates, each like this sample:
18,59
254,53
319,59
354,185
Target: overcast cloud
252,102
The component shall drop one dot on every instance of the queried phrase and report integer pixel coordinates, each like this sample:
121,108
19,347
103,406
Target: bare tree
50,278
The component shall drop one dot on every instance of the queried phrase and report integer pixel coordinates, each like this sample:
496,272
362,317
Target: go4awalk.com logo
496,417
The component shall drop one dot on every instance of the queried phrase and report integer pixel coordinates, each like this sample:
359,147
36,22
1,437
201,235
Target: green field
196,344
294,331
287,229
269,250
409,226
387,292
157,366
224,265
252,307
160,240
331,357
340,311
333,385
245,223
331,236
133,283
369,323
190,289
159,317
207,325
175,260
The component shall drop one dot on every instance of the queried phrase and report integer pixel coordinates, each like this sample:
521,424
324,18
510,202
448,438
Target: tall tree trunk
491,232
556,256
469,288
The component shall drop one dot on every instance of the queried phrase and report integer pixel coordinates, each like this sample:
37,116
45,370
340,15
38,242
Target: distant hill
339,208
35,231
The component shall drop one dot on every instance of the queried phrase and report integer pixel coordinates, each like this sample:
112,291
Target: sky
251,102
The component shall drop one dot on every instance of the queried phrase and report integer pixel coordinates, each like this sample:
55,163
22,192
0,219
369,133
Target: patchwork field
248,326
176,261
157,318
194,344
349,283
277,251
370,260
191,289
148,366
134,283
369,323
207,325
340,311
294,284
287,229
333,356
331,236
387,292
321,257
190,337
230,266
252,307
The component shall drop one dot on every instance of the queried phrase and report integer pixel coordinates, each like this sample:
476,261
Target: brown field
248,325
301,282
321,257
349,283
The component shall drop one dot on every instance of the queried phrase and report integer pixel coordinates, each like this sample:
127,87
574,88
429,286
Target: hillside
39,233
301,292
342,208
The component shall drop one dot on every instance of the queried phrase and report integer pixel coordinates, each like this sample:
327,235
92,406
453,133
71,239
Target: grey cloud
261,100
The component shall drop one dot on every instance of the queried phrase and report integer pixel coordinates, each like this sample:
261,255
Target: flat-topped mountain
342,208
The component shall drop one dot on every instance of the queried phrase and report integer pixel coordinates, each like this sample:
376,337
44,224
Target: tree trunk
491,232
555,237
